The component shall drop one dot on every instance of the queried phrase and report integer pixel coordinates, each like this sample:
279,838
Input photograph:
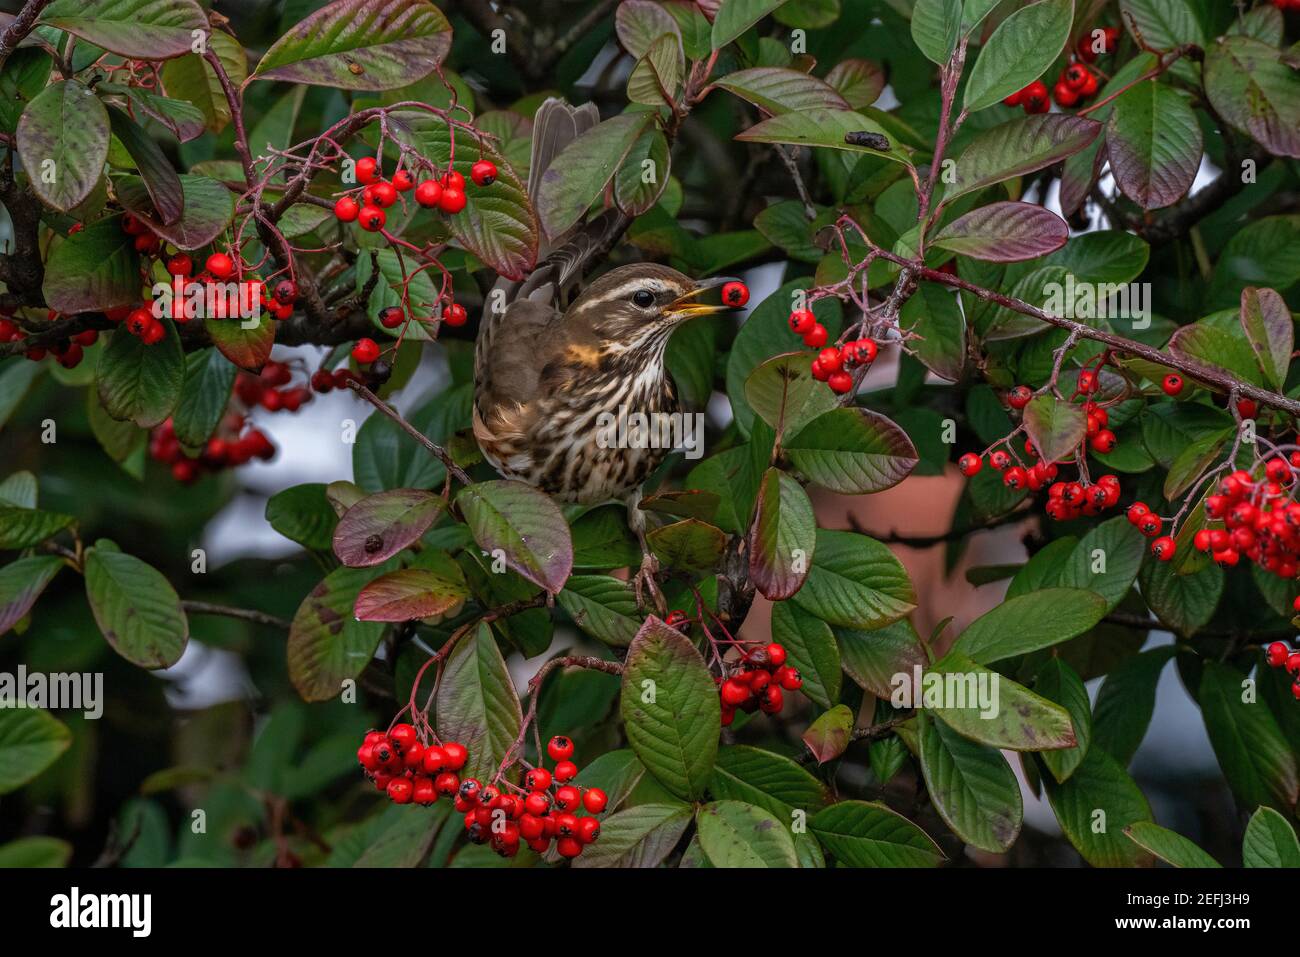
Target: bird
557,355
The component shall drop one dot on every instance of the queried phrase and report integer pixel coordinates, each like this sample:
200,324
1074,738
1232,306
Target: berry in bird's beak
731,294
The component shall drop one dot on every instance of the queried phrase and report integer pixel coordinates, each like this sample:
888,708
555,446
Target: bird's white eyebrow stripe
626,289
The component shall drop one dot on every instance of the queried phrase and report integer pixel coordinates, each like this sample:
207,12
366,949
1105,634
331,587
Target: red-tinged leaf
689,545
525,527
1154,142
144,29
639,23
1005,232
381,525
830,734
245,342
95,268
1256,89
1270,331
1018,147
64,131
860,82
1055,427
409,594
783,536
477,704
361,45
327,645
209,208
21,583
160,179
780,90
853,451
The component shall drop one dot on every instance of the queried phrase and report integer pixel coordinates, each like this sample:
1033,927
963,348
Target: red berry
1064,94
560,748
286,291
1201,540
365,351
434,759
565,771
1172,384
383,194
816,336
1075,75
831,359
772,700
802,322
860,352
789,678
1247,408
970,464
1014,99
403,180
346,209
1149,525
403,736
1015,477
818,373
372,219
154,333
1292,663
999,459
588,829
567,798
1019,397
1277,654
1163,548
180,265
594,800
1104,441
735,294
734,693
390,317
1034,98
775,655
840,382
538,779
1087,381
453,180
452,200
568,847
455,314
428,193
367,170
220,266
483,173
400,790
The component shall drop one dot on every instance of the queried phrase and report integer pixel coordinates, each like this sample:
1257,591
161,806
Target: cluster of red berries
759,684
834,365
1287,4
1076,83
268,389
67,352
1260,521
366,350
1281,656
1150,524
407,770
445,193
227,449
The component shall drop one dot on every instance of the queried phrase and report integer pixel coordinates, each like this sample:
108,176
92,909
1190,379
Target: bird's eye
643,298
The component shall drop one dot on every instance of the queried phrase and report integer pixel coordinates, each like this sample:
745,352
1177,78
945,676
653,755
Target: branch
228,611
19,27
437,451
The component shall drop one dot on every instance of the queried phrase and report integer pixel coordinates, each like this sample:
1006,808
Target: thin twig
437,451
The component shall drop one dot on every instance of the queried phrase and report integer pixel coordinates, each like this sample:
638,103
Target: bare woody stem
437,451
229,611
21,25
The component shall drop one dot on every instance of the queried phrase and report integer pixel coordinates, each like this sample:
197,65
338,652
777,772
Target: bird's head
642,303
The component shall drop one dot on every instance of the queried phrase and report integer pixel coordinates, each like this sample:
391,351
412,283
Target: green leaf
1099,786
866,834
853,451
94,269
30,741
784,394
135,607
477,704
1015,720
1005,232
657,76
736,834
1253,87
1154,143
384,455
1270,330
381,525
1058,682
1054,426
62,138
358,45
1163,24
1018,147
1170,846
35,852
1191,462
191,78
245,342
583,169
1104,256
779,90
303,514
830,734
1256,759
411,593
823,127
617,773
933,314
144,29
670,709
873,658
1020,50
640,836
782,540
640,22
21,583
936,27
855,582
1030,622
24,75
602,606
1270,841
1185,603
1125,703
25,527
636,192
139,382
770,781
812,650
734,17
525,526
209,208
1106,561
327,645
860,82
972,786
688,546
205,393
160,179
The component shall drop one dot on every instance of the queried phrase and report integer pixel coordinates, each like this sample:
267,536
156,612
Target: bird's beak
689,306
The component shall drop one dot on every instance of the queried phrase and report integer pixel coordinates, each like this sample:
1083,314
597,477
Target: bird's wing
556,124
508,371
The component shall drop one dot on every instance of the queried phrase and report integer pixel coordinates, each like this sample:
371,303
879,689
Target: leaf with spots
381,525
